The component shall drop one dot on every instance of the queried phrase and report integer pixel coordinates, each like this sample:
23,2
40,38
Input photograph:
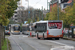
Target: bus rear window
55,25
41,27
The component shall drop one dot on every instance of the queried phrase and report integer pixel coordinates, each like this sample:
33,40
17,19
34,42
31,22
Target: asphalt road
23,42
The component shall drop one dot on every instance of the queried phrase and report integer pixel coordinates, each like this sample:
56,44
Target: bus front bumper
16,33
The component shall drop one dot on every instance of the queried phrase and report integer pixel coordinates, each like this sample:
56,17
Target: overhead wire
37,3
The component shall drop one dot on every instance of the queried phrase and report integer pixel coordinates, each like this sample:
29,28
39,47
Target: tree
53,14
70,15
35,15
6,10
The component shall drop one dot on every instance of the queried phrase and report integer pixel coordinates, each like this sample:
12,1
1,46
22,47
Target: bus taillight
62,31
47,32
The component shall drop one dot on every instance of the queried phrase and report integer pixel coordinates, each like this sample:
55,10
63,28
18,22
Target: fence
70,33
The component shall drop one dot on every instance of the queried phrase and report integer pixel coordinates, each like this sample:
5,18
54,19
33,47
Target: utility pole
39,14
33,15
52,3
42,12
58,9
28,9
72,2
47,5
21,5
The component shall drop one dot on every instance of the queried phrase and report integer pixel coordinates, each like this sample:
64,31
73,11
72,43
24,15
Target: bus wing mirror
35,26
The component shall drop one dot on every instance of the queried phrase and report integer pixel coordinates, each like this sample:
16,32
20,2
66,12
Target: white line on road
31,45
17,44
59,43
24,36
54,48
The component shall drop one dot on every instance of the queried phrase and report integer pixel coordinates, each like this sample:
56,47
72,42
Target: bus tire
22,33
56,38
37,36
43,37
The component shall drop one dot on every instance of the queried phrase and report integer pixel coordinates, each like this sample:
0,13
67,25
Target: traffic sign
25,22
29,12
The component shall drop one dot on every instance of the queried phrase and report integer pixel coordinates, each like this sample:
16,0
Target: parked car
7,32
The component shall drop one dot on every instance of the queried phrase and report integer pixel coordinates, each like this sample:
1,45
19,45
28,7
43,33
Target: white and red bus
49,29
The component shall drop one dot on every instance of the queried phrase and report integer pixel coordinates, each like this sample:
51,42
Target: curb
7,45
73,39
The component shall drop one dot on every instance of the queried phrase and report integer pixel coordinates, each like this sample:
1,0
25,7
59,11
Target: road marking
17,44
55,48
63,48
58,43
24,36
31,45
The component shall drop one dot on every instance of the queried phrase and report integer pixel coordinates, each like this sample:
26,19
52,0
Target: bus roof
55,21
15,24
49,21
25,24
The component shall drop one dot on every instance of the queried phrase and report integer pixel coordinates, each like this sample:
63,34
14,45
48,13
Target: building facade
19,13
62,4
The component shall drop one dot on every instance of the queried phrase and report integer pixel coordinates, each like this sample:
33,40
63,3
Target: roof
70,1
55,1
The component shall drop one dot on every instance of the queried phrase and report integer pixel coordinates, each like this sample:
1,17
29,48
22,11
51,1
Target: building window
15,19
15,15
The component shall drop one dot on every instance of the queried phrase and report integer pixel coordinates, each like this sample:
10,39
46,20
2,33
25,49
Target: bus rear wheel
37,36
56,38
43,37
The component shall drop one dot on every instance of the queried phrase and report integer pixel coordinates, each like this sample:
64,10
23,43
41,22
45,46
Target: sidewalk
8,43
67,38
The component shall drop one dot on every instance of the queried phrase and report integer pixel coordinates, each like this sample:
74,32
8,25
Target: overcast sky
35,3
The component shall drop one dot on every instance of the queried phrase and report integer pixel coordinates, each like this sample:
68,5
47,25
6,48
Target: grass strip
4,46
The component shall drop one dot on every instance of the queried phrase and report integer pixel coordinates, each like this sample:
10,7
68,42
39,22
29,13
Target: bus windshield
41,27
25,28
16,28
55,25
